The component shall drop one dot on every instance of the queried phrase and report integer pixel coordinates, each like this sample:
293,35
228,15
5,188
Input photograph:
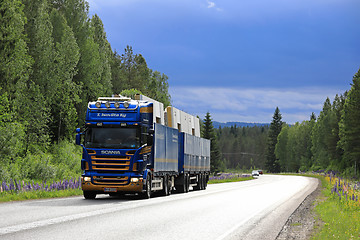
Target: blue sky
240,59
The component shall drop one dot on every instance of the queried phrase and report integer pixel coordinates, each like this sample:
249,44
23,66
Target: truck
136,146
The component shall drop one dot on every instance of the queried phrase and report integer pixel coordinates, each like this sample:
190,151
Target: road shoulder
302,223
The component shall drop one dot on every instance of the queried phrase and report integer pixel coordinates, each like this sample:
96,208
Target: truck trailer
137,146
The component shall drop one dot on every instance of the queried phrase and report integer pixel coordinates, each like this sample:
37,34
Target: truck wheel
147,193
165,190
89,195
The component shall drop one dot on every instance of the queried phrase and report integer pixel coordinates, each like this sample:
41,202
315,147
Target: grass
229,177
340,216
338,223
233,179
21,190
16,195
20,196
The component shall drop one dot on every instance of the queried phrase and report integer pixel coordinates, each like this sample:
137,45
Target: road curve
254,209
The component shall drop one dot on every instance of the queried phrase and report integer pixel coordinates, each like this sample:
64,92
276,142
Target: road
253,209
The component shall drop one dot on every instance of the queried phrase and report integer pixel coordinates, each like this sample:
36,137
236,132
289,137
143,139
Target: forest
242,148
330,141
54,58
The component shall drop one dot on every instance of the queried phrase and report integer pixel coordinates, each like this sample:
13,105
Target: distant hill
238,124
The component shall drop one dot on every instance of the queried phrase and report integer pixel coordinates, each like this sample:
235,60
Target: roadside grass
229,177
21,196
337,207
20,191
338,211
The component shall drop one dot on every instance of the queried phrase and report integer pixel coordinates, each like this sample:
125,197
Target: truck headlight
87,179
134,180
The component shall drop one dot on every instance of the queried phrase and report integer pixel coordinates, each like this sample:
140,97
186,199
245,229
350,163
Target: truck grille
110,169
110,163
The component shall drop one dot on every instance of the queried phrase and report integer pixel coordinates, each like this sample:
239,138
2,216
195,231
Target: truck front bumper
131,187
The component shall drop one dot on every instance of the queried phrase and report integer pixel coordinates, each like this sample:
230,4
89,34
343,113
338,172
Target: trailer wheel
205,182
202,182
89,195
187,183
183,184
147,193
169,186
198,184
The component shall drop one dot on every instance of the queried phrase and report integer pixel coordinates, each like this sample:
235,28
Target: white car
255,173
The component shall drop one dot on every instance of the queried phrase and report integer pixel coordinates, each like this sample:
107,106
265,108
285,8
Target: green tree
323,138
11,135
66,90
216,164
350,126
93,73
281,149
272,163
34,96
105,52
132,71
158,88
130,93
15,61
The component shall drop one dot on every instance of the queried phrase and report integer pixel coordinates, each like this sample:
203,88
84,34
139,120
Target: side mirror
78,139
78,136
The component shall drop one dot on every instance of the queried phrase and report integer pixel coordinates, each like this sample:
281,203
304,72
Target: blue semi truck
136,146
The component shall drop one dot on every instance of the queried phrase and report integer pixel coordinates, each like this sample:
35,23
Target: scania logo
110,152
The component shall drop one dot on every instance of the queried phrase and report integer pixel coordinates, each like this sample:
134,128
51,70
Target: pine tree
216,164
350,126
272,163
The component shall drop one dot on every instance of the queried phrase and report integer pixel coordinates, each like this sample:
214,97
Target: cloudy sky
240,59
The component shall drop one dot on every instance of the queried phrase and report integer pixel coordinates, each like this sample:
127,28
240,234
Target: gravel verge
303,222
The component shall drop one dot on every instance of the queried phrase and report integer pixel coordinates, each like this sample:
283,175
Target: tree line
329,142
54,59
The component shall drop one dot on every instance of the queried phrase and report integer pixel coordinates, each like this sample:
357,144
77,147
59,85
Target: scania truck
136,146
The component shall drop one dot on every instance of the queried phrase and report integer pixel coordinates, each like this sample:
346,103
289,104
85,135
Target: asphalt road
254,209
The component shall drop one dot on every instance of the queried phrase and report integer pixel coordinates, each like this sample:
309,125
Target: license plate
110,189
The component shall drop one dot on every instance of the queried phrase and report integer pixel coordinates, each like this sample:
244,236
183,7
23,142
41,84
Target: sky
240,59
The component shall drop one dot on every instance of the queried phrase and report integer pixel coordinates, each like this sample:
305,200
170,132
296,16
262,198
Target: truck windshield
111,137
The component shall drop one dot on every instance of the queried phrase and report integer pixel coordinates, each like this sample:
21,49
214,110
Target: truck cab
117,145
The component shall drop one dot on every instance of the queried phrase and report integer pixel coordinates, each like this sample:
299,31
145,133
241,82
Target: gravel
303,223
